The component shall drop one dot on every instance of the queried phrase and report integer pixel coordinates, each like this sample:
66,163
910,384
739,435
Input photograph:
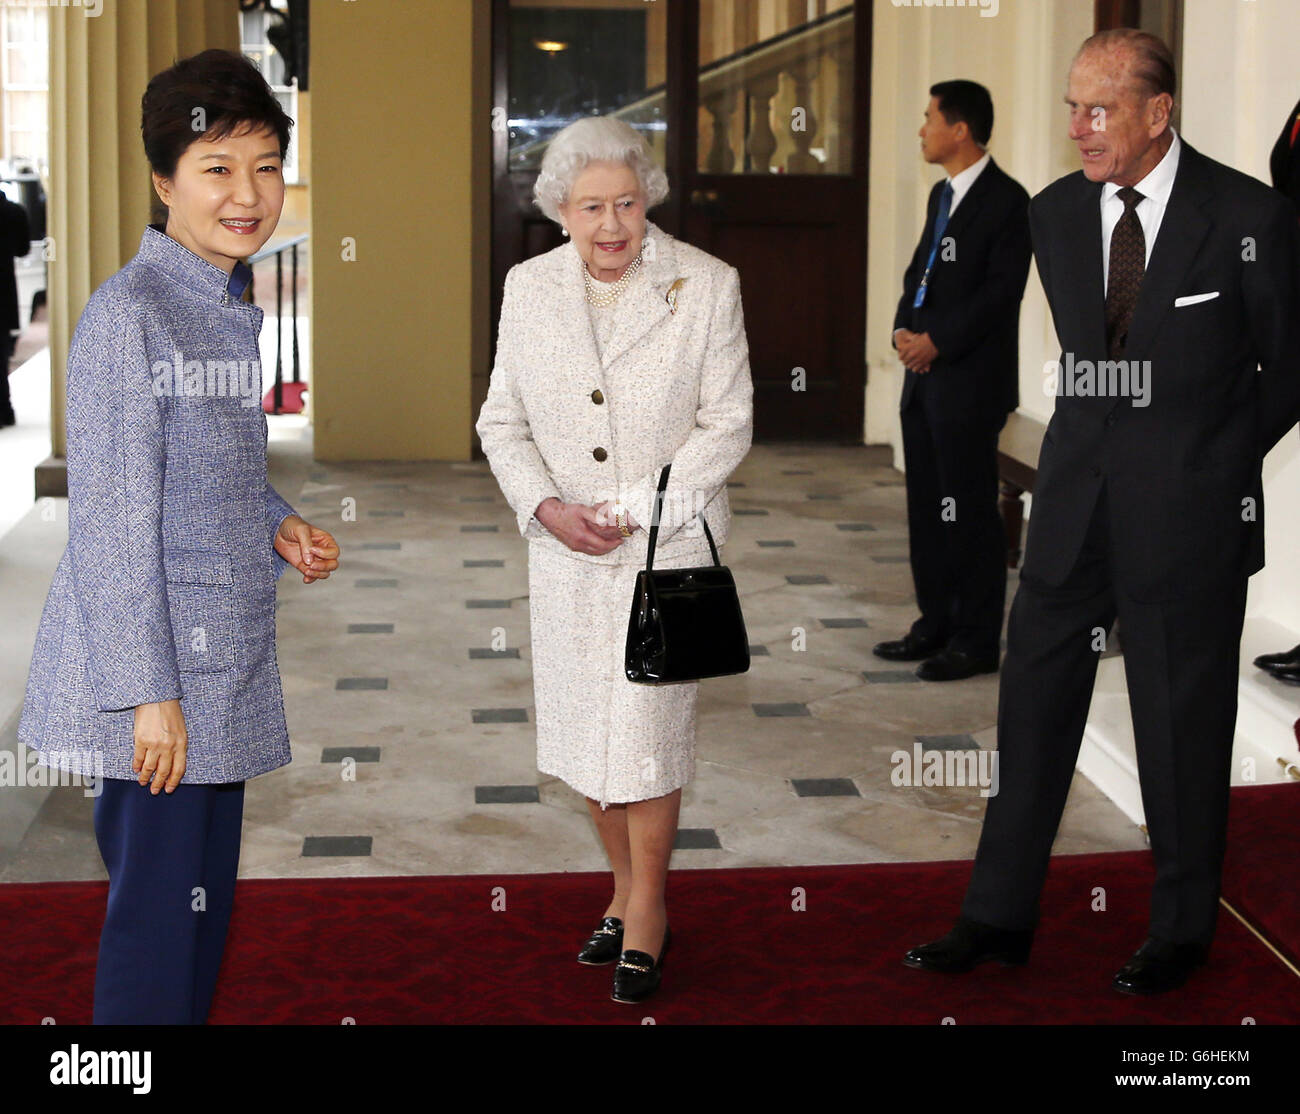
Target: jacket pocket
199,595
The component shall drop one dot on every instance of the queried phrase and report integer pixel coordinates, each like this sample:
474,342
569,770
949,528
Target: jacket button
1095,471
599,453
597,397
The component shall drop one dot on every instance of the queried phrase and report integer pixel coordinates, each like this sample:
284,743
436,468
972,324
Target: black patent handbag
685,624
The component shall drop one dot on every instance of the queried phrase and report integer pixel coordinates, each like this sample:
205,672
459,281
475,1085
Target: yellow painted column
100,193
400,190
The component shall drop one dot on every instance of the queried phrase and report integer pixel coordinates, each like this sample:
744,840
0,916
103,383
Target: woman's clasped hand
582,528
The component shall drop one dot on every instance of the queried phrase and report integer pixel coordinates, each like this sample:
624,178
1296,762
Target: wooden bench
1018,446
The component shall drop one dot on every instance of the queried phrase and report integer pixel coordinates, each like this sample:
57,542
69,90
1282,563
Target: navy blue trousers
172,861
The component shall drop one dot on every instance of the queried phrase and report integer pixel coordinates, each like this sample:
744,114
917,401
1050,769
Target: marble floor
409,696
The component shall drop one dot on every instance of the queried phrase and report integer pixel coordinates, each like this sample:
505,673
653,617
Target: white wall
1240,80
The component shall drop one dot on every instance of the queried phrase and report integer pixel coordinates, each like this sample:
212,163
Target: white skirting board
1266,714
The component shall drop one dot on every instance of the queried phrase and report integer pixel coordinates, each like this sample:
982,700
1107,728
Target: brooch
671,297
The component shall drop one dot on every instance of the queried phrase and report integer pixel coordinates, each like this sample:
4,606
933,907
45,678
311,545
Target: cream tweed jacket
673,385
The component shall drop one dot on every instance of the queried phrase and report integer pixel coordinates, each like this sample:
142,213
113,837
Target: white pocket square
1192,299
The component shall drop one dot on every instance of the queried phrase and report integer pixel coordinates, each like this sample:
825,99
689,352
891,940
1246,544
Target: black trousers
1180,662
7,343
958,550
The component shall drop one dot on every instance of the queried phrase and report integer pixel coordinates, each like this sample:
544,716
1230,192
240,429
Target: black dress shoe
638,973
1157,966
955,665
971,943
1290,674
907,648
604,944
1283,660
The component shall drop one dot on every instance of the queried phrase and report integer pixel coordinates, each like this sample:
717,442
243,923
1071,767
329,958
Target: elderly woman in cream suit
618,352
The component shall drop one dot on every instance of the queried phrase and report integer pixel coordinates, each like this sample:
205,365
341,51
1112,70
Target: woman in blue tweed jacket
154,668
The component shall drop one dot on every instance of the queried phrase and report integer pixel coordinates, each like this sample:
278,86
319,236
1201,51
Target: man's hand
916,350
578,526
313,552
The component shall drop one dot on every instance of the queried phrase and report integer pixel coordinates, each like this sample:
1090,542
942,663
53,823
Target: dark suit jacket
1284,162
1224,382
14,244
972,308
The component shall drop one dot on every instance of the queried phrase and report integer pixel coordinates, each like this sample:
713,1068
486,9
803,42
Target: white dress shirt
1155,189
962,181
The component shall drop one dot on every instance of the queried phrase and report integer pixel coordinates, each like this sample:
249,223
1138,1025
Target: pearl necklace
607,293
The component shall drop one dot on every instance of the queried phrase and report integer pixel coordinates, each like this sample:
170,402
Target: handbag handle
654,524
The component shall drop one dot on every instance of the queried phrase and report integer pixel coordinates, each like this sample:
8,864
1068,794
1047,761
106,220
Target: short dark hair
1153,61
231,94
969,102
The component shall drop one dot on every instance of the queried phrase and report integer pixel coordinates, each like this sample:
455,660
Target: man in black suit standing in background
956,331
1174,285
15,242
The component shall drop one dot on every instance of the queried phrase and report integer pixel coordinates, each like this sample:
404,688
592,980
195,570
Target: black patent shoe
603,945
1158,966
638,974
1287,659
971,943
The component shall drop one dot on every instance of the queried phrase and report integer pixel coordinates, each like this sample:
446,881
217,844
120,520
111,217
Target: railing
277,391
747,81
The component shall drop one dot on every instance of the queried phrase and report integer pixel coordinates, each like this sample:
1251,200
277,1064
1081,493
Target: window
24,78
256,47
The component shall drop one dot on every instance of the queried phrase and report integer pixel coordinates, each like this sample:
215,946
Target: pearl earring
566,231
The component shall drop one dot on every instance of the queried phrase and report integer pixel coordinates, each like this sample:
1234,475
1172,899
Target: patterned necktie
1128,263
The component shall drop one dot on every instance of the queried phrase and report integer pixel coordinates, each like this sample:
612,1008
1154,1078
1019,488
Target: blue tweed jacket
167,587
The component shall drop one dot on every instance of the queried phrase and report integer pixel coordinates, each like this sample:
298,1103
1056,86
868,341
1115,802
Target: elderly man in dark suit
1174,285
956,332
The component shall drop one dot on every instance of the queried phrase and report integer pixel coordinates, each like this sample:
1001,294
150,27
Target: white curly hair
595,139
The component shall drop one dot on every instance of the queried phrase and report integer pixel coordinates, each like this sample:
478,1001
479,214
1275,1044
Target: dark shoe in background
955,665
1286,660
971,943
1158,966
907,648
1290,674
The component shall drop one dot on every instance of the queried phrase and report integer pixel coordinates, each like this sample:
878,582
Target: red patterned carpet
432,950
1261,872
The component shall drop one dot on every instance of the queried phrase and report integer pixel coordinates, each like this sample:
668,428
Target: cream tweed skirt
611,740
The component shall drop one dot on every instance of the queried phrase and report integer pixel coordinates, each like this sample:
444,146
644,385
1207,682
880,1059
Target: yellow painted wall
393,167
